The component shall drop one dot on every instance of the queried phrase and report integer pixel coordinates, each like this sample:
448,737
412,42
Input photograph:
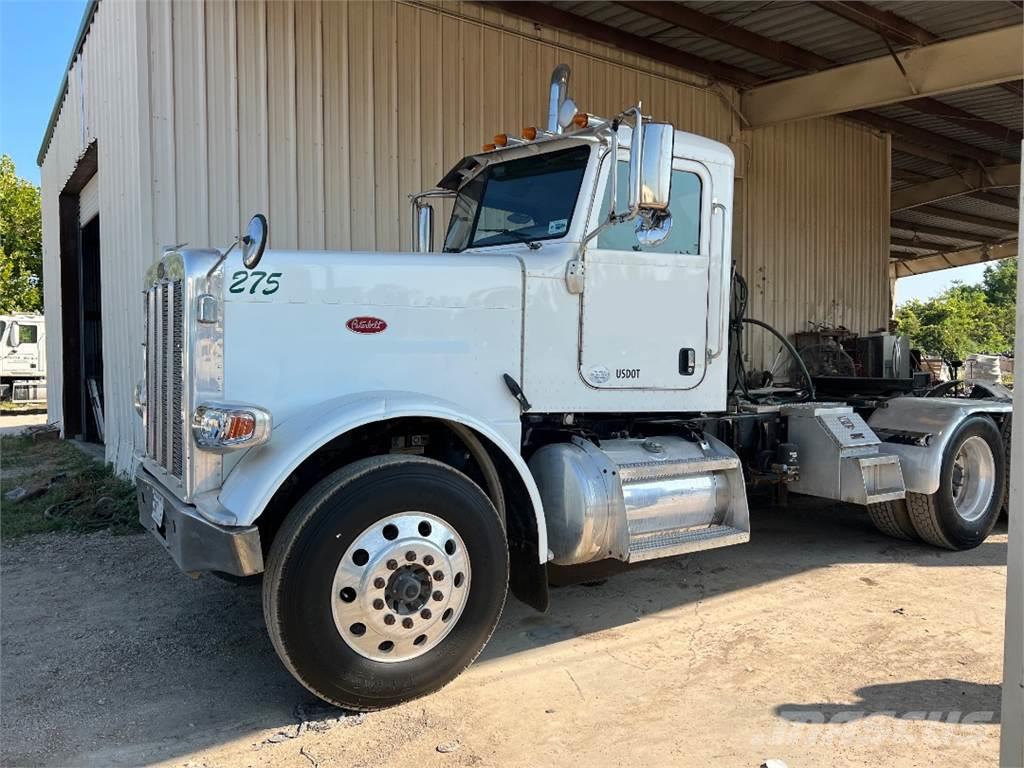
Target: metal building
179,120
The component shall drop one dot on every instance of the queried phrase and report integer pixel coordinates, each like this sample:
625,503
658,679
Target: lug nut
410,556
378,604
425,613
379,583
407,623
392,565
438,576
428,560
438,596
389,619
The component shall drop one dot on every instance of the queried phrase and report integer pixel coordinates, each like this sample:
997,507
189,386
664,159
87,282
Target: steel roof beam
570,22
965,119
964,183
952,234
892,26
796,57
906,265
967,218
731,34
917,150
974,61
959,150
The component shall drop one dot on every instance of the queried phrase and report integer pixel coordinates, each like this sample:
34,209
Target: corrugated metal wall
327,115
106,102
815,206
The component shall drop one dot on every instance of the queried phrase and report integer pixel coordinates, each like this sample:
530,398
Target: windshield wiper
533,245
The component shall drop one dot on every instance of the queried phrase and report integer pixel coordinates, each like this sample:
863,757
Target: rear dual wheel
385,581
972,482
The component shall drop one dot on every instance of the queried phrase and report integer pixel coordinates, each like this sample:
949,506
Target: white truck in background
395,439
22,357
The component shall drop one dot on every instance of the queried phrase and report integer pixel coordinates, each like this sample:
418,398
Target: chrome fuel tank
635,499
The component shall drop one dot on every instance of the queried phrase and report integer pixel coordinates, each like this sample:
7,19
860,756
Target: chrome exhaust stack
557,94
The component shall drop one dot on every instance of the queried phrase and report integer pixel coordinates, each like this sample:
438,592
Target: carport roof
753,43
958,131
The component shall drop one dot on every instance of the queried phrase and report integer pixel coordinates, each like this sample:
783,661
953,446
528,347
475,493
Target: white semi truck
22,353
395,439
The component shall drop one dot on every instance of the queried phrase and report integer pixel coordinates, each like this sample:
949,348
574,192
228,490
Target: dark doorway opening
92,332
81,310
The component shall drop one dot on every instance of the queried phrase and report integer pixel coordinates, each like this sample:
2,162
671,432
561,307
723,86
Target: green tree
1000,286
21,246
965,318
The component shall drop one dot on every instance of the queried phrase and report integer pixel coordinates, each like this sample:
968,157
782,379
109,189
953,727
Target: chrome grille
165,382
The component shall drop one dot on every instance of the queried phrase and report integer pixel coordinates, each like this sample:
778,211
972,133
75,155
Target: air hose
737,319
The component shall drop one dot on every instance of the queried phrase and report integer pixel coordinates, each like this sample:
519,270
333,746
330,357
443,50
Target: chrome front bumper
193,542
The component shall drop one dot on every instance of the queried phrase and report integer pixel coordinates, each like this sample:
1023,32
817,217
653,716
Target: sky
933,283
36,37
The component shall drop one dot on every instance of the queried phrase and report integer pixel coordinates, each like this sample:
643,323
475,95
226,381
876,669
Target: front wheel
385,581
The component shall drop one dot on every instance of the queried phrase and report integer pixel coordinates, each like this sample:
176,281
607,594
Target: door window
27,334
684,206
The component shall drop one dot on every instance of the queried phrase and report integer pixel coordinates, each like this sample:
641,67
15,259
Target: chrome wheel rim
400,587
973,479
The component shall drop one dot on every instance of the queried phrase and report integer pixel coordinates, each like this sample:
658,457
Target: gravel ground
111,657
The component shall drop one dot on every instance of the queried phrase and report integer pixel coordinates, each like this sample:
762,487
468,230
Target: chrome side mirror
254,241
652,228
424,234
14,336
656,167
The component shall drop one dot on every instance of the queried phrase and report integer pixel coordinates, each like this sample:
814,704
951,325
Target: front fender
253,481
929,420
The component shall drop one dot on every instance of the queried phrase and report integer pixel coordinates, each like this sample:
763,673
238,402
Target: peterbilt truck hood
305,327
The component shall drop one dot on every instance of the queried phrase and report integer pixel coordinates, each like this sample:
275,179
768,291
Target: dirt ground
13,423
819,643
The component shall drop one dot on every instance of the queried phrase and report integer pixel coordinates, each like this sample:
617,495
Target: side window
684,205
27,334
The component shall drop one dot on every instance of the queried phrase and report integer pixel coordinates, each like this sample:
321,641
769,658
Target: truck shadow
807,535
168,666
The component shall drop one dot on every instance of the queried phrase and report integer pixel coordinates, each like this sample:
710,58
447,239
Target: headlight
139,397
221,427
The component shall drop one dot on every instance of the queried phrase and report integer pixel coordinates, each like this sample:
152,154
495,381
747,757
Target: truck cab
22,348
394,440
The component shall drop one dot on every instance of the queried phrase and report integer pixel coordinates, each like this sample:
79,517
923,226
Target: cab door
644,317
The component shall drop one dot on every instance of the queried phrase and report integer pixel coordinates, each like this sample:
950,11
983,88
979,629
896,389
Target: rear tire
972,479
892,519
385,581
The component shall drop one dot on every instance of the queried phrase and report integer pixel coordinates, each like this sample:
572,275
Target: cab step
678,541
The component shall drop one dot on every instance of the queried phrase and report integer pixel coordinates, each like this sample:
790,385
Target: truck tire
1007,435
961,514
385,581
892,519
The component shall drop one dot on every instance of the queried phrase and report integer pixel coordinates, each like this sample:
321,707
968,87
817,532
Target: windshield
518,201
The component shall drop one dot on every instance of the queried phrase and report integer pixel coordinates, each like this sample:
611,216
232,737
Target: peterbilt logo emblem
366,325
